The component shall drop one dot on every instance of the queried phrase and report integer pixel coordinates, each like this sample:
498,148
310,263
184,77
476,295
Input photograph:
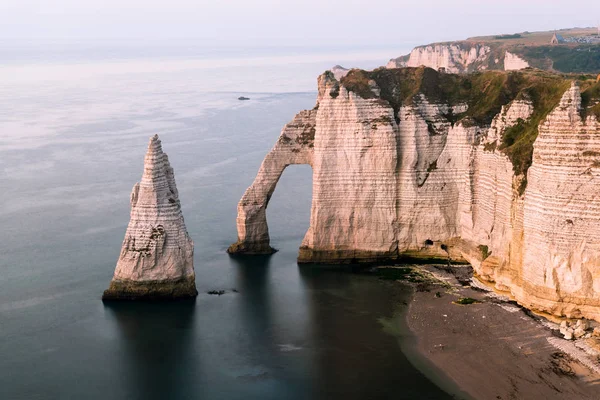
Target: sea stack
157,256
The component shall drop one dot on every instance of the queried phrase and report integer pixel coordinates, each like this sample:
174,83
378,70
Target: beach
492,349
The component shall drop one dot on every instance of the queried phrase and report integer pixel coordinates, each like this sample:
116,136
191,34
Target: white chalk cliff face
156,260
513,62
453,57
409,180
459,57
295,146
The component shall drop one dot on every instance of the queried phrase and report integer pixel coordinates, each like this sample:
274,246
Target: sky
281,22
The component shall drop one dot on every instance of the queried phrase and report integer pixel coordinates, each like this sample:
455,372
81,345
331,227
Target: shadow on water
156,341
253,281
347,311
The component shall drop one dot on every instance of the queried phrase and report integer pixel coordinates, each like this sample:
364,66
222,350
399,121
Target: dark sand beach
492,349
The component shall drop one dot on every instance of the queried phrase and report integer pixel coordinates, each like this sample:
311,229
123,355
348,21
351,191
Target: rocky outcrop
406,165
156,260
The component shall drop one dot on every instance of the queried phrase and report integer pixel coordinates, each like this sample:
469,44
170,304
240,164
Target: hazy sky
272,22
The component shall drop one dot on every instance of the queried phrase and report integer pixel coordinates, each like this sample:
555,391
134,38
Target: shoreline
491,349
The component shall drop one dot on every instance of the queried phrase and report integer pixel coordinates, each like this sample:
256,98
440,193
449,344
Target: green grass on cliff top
485,93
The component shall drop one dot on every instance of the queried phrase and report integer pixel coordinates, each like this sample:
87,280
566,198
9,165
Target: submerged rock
156,260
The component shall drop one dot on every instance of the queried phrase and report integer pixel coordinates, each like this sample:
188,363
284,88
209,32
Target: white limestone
156,259
513,62
354,193
454,58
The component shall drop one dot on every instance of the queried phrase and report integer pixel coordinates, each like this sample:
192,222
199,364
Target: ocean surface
74,127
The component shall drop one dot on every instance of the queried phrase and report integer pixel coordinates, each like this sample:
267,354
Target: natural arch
294,146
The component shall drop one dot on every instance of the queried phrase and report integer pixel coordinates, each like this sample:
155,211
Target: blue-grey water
72,140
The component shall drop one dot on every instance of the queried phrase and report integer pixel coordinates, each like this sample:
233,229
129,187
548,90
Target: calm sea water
72,139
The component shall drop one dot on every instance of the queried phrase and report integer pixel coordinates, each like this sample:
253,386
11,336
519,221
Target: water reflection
252,280
157,348
354,357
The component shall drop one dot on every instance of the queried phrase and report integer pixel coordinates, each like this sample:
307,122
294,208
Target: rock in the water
156,260
294,146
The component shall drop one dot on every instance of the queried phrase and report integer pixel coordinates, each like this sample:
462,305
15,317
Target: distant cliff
501,170
579,52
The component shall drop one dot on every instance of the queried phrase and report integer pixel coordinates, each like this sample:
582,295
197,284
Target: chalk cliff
453,57
497,169
579,53
460,57
156,260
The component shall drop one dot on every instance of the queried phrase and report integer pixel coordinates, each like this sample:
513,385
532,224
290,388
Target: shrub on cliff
483,92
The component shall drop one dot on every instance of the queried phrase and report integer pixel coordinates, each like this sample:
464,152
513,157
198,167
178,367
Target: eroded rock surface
156,260
496,169
454,58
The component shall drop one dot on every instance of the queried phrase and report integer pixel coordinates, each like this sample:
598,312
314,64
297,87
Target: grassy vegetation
562,58
513,36
491,147
590,98
545,91
485,251
484,92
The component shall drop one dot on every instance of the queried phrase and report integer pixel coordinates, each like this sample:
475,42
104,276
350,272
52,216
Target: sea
74,127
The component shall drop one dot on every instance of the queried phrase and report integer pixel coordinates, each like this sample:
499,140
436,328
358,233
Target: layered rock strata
454,58
503,177
460,57
294,146
156,260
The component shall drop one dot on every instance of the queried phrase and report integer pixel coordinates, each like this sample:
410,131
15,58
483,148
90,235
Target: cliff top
541,38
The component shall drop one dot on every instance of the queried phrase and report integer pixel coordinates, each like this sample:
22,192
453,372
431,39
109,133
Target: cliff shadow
156,347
